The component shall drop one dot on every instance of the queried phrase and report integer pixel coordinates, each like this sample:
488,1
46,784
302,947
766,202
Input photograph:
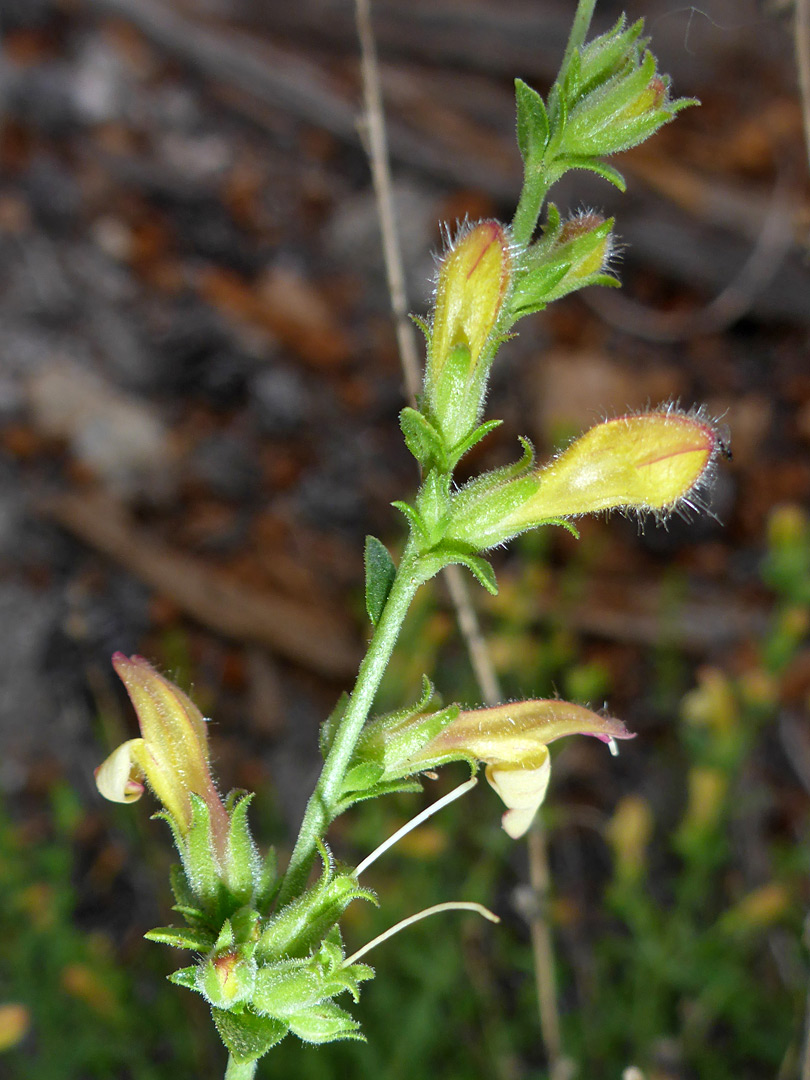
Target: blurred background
199,390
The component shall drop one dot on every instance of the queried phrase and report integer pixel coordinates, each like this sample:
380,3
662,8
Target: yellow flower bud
649,462
594,256
473,282
759,909
473,285
226,979
713,703
708,788
15,1020
787,525
629,832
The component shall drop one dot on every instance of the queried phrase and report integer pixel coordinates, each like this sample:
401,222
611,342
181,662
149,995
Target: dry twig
731,303
802,36
314,639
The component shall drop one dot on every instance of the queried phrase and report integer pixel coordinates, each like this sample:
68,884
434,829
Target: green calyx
216,879
382,759
266,975
570,255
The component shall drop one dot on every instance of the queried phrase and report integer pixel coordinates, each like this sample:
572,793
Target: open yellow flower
512,740
171,755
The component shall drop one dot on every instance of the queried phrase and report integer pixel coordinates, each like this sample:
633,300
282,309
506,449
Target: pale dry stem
802,41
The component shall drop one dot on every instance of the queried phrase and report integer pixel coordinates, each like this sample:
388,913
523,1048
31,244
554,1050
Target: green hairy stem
236,1070
318,812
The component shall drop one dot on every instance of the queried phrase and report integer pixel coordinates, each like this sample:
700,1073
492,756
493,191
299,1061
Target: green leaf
472,440
594,165
433,502
423,326
608,281
191,914
421,437
573,76
332,723
564,525
198,858
180,887
532,122
360,777
481,570
435,561
533,288
182,937
246,1035
268,882
186,977
380,574
225,939
331,954
243,858
413,516
324,1023
609,53
392,787
353,976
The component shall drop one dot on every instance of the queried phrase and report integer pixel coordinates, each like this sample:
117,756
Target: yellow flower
171,755
512,740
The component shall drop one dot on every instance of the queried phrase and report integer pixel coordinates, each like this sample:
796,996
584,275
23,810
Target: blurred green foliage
91,1012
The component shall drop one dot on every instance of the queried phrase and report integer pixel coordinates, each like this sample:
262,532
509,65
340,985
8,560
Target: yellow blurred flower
15,1020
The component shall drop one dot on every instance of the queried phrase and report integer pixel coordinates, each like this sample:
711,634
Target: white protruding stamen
452,905
613,746
429,811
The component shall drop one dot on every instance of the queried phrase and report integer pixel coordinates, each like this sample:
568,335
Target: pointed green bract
202,868
422,438
325,1023
246,1035
182,937
242,863
186,977
532,122
332,723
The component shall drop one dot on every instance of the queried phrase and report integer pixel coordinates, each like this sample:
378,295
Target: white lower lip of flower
114,778
523,790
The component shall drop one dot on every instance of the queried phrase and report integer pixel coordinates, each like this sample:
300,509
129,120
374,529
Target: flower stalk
270,954
240,1070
